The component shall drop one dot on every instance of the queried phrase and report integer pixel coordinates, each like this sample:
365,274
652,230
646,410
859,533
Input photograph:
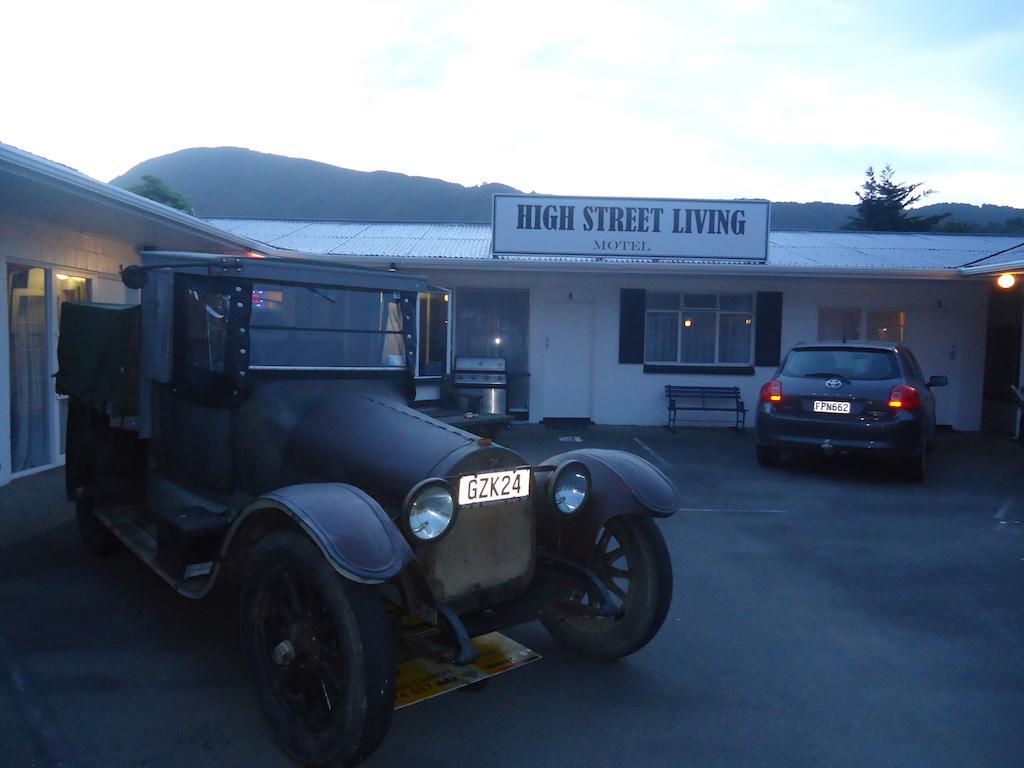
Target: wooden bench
704,399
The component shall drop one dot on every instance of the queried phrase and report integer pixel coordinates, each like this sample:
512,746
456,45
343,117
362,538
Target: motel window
853,324
886,325
838,324
698,328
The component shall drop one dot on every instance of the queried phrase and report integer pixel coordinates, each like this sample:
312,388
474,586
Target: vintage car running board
128,524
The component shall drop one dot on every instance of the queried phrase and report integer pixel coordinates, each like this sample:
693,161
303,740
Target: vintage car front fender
353,531
620,484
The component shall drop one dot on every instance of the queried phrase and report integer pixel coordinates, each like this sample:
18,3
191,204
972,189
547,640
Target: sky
724,99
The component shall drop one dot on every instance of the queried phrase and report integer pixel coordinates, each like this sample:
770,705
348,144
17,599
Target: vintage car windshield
306,326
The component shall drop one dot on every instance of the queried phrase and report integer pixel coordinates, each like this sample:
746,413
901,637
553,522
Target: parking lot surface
826,613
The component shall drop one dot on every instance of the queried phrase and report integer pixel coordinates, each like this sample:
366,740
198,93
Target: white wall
946,324
39,244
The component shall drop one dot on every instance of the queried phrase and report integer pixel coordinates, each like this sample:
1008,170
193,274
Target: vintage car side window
206,328
299,326
433,346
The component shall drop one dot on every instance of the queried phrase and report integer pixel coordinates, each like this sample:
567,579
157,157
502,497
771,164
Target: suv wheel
767,457
320,652
914,466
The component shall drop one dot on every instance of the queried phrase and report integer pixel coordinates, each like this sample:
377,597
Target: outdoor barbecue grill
483,377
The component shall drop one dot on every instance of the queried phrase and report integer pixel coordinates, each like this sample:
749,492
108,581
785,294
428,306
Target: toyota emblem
834,383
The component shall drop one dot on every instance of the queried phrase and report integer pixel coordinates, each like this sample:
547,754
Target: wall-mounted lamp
1006,280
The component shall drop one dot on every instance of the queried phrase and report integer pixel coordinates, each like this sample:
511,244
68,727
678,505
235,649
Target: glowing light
446,297
61,277
895,403
775,398
687,322
254,255
1006,280
497,339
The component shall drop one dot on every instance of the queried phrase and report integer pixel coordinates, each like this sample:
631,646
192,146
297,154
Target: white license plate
494,486
831,406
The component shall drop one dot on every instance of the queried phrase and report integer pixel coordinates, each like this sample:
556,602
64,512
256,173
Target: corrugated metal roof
855,251
880,250
1011,256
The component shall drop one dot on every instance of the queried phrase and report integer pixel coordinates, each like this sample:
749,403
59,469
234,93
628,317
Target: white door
568,348
931,336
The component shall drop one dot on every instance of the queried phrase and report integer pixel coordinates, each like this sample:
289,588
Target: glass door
496,323
31,388
68,288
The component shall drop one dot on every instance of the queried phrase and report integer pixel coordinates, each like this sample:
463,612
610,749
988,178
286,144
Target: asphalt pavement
826,613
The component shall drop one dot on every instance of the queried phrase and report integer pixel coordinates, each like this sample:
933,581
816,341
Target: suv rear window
863,364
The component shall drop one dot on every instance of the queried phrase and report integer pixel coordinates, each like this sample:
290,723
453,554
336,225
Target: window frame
862,321
718,312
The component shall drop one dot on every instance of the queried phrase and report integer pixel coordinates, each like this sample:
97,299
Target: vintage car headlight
570,487
430,509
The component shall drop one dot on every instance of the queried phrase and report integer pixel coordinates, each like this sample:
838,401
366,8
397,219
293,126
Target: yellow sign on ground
421,679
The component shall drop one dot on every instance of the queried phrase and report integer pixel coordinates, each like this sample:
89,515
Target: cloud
742,98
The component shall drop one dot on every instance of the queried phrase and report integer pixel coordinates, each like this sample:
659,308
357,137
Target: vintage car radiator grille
487,556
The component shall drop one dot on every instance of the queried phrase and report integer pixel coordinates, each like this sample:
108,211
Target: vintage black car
249,425
850,397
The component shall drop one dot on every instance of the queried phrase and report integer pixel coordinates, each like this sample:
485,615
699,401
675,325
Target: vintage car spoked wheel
319,650
95,536
632,561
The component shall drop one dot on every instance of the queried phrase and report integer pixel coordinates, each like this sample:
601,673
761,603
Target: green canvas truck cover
98,355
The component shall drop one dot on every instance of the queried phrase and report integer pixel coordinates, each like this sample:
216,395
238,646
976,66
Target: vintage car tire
648,596
351,633
96,537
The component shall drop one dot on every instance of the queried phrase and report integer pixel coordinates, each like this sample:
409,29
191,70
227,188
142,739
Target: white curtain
30,382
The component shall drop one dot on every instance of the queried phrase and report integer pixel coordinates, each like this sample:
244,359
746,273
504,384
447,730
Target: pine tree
884,205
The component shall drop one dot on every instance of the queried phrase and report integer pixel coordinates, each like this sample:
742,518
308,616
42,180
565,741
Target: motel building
595,304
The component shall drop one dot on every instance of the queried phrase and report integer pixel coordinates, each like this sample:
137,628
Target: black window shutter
768,341
632,303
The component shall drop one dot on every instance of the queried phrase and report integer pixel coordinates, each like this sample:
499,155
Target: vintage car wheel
96,537
631,559
320,652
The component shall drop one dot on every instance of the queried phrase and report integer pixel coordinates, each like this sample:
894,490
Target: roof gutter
738,270
31,166
994,269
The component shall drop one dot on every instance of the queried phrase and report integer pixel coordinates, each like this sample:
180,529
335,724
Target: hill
229,181
234,182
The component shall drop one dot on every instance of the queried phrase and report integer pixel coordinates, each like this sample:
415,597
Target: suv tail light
771,392
905,397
